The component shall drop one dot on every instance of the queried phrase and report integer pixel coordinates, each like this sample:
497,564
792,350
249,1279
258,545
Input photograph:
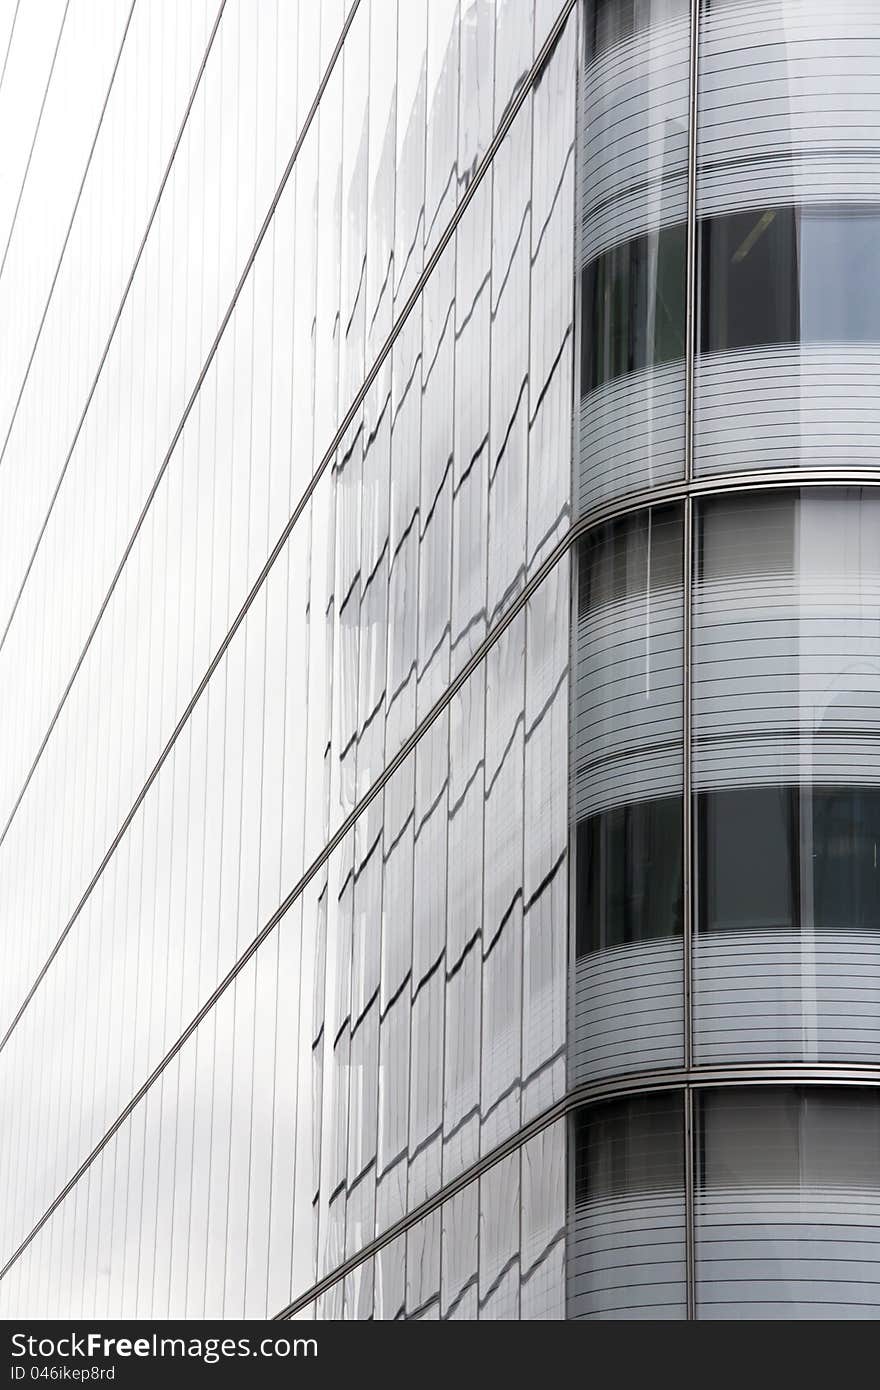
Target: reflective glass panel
787,1203
788,275
633,299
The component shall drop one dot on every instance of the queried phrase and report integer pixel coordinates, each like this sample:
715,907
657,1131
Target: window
753,534
748,858
635,554
629,1146
749,280
629,886
633,306
790,274
789,857
801,1136
609,22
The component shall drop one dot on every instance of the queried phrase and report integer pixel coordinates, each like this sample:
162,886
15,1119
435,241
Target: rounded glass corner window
626,797
626,1238
789,338
786,776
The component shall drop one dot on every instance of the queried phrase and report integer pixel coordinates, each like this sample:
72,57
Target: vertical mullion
689,1253
687,601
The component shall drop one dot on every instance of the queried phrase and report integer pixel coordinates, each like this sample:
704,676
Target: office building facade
438,858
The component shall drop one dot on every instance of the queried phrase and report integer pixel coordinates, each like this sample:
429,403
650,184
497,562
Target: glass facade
439,566
284,647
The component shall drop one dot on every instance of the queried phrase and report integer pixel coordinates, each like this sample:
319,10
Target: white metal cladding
789,100
634,101
627,715
626,1257
788,1252
627,1010
792,996
631,434
788,406
786,680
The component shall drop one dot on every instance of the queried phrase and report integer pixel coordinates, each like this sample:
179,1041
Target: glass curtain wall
281,679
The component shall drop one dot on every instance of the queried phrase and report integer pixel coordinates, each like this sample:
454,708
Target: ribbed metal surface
789,103
634,146
786,406
788,1252
797,693
626,1257
627,1009
812,995
627,702
631,435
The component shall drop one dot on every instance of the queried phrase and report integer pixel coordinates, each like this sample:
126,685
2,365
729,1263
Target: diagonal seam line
177,433
27,167
93,388
76,204
218,656
299,888
153,490
9,44
304,500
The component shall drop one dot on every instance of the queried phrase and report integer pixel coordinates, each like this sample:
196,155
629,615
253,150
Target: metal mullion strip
691,321
756,480
688,895
691,254
689,1221
687,775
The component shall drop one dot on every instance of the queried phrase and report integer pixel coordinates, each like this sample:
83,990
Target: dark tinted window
629,1146
610,21
748,864
629,875
789,857
845,824
629,556
633,305
749,280
790,274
